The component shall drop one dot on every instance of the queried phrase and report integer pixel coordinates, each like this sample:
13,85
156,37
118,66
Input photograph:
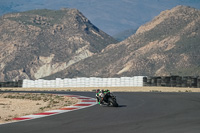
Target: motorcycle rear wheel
112,102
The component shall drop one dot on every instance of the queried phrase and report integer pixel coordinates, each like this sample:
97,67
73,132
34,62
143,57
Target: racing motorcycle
110,100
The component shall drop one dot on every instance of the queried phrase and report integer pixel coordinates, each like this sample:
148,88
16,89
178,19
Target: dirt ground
113,89
14,105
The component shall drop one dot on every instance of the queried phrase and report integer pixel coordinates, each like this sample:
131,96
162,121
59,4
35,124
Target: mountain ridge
113,16
168,45
39,43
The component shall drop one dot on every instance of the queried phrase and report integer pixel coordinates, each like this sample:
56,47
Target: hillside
124,34
39,43
168,45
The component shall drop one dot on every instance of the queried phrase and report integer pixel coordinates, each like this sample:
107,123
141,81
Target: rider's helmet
97,91
107,90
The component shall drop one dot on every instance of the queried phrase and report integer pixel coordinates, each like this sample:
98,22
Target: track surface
138,113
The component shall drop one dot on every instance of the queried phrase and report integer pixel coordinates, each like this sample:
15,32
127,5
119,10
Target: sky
111,16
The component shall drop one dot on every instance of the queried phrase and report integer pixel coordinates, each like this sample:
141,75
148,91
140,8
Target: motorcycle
110,100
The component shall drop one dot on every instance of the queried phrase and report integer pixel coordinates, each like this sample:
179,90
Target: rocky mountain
111,16
168,45
39,43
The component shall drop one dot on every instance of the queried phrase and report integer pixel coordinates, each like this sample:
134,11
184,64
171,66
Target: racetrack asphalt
138,113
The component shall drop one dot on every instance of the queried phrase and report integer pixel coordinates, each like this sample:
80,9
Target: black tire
112,102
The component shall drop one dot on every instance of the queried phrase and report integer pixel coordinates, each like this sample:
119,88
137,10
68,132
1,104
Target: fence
11,84
165,81
84,82
173,81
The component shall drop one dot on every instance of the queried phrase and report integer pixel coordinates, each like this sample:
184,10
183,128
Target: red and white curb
84,103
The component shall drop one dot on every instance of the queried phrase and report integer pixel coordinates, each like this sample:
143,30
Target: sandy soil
113,89
14,105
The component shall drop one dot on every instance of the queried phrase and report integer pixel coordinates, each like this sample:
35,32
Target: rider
100,95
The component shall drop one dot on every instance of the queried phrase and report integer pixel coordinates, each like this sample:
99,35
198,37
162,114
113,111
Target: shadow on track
119,106
122,106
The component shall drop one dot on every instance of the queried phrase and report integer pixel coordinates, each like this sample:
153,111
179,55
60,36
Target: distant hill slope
38,43
168,45
124,35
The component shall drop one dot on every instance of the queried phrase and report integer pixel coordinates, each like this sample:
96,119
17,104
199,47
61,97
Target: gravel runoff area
14,105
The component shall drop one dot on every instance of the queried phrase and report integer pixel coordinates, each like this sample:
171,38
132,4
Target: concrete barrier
85,82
